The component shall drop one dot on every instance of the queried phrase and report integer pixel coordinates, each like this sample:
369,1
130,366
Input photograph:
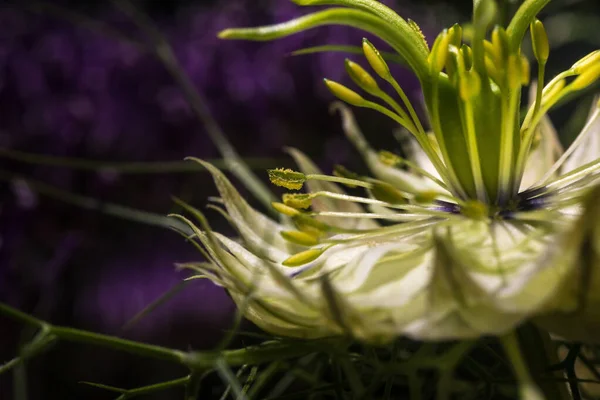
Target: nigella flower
487,222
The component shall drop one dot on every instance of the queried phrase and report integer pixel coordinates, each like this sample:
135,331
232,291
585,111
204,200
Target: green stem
266,352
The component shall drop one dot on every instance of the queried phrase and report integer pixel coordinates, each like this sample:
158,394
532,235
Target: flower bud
344,94
376,60
287,178
539,40
361,77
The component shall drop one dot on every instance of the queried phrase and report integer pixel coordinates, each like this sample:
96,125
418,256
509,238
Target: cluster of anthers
487,223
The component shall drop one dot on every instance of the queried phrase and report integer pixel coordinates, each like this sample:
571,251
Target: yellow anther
375,60
298,200
287,178
361,77
591,59
344,94
588,76
301,238
387,193
539,40
303,257
439,52
389,159
285,210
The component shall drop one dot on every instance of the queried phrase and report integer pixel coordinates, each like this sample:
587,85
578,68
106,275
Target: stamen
368,84
381,68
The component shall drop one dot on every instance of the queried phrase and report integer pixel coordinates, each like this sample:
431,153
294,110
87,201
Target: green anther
375,60
307,224
298,200
469,85
489,50
345,94
285,210
439,52
287,178
467,56
303,257
387,193
588,76
525,71
301,238
513,71
425,197
362,78
539,40
591,59
492,70
501,44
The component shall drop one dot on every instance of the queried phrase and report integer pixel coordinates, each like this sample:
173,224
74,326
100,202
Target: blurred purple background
69,91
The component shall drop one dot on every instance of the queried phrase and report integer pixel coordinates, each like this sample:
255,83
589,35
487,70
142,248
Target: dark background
71,91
